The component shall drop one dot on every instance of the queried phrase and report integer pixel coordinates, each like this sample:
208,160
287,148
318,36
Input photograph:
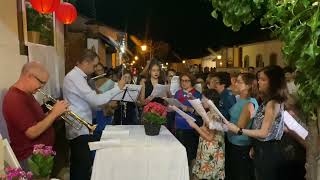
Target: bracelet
240,132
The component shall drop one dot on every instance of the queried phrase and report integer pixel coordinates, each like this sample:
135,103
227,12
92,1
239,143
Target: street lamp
144,47
167,64
219,57
136,58
183,61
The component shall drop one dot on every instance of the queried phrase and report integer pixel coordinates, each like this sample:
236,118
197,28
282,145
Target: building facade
262,54
258,55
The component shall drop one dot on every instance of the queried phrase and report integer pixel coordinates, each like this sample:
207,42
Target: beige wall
265,49
60,48
11,60
236,57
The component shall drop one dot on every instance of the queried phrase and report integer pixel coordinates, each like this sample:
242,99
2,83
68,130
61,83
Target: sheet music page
9,156
160,90
213,119
213,109
103,144
293,125
197,105
198,87
183,114
174,85
132,94
174,102
106,86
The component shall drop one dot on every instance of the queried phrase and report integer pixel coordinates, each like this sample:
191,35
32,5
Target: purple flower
17,173
38,146
43,150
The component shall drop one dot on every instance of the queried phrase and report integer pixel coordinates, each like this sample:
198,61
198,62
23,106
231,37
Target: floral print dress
210,158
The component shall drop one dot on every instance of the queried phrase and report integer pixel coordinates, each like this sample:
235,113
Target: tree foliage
235,13
296,23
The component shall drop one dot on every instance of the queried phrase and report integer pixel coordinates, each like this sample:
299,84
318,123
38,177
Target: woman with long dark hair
268,124
154,77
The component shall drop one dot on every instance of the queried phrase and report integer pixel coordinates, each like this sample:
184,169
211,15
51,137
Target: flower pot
152,129
34,37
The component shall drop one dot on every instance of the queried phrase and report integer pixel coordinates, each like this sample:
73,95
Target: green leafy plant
155,113
41,162
35,20
296,23
235,13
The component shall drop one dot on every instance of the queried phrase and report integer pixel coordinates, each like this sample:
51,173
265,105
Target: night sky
186,25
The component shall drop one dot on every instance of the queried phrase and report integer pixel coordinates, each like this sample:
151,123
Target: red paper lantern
45,6
66,13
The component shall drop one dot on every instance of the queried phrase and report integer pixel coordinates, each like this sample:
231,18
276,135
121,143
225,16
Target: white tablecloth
141,157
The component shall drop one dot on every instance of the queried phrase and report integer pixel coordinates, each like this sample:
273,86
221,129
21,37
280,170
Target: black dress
149,89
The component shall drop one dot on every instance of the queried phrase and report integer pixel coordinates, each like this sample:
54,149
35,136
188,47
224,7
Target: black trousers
268,160
81,159
239,162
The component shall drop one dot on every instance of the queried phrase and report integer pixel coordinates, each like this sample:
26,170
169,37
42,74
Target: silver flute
99,76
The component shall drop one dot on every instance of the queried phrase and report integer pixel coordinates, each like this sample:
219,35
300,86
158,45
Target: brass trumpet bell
69,117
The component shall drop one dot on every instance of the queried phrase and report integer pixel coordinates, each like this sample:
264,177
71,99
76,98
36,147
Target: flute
99,76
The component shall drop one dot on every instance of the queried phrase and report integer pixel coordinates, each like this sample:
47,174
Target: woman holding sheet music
268,125
241,113
184,132
154,77
210,160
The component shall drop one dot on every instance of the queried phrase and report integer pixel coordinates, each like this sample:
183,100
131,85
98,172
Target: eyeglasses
40,81
185,80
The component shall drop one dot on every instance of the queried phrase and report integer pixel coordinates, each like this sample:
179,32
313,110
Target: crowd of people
253,103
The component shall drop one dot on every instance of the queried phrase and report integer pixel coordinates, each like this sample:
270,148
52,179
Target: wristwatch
240,132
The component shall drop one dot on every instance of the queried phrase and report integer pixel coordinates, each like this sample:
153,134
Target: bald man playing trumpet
26,122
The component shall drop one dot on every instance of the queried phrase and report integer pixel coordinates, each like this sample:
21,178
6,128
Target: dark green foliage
296,23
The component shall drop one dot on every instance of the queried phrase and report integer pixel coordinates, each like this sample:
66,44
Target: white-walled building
262,54
259,54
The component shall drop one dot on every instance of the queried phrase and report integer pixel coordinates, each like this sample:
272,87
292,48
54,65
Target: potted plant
41,161
15,174
154,116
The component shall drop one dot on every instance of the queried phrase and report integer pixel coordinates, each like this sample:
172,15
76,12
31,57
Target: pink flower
43,150
17,173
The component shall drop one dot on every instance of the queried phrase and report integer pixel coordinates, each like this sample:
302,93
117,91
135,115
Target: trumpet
69,117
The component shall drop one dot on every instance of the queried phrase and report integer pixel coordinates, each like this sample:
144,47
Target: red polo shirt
21,111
